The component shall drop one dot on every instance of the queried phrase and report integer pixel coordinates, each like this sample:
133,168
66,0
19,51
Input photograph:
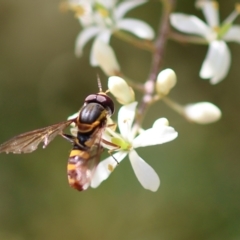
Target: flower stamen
78,10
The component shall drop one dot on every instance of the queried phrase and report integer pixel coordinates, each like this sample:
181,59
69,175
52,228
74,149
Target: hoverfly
85,154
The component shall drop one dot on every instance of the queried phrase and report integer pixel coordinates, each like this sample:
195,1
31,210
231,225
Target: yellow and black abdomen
79,174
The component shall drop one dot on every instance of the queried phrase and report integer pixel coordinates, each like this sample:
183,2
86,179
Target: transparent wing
29,141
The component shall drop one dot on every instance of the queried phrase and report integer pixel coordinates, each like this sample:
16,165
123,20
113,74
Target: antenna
99,83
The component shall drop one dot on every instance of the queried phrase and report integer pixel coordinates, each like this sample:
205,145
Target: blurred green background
42,83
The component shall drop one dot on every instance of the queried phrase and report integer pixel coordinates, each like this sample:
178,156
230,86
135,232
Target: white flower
202,112
128,142
120,90
107,18
166,80
218,59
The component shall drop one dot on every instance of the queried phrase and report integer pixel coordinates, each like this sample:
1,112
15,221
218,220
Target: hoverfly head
101,98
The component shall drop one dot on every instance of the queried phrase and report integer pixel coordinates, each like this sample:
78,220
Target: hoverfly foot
110,153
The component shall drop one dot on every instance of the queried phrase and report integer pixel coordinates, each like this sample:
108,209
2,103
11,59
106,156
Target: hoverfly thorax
95,110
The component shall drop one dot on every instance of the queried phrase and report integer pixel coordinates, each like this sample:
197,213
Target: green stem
186,39
175,106
143,44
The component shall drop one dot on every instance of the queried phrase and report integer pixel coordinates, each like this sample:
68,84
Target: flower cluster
218,59
99,20
131,137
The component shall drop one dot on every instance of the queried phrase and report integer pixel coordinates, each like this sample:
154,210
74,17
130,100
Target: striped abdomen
79,173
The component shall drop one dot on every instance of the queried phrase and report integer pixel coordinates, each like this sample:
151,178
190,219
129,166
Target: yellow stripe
75,152
79,153
71,167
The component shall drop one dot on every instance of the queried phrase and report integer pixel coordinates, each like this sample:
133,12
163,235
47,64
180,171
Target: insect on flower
85,154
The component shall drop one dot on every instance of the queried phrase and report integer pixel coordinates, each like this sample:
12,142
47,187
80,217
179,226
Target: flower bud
202,112
104,57
166,80
120,90
160,123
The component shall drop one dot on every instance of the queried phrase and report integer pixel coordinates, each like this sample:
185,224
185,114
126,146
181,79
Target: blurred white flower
128,142
166,80
121,90
105,58
202,112
107,18
218,59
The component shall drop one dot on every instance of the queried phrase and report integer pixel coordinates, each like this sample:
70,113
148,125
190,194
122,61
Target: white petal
136,27
211,13
107,3
216,63
126,116
189,24
103,36
105,57
83,37
73,129
75,115
86,16
155,136
106,139
126,6
202,112
145,174
105,168
233,34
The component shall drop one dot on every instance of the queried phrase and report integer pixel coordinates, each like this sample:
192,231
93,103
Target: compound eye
91,98
106,102
102,99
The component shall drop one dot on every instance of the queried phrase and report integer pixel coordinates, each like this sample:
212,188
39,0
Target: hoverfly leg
69,138
115,148
112,126
110,153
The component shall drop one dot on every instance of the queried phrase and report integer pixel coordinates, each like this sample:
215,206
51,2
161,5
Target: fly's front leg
68,137
73,140
115,148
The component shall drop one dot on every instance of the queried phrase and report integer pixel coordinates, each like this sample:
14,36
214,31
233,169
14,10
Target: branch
157,59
